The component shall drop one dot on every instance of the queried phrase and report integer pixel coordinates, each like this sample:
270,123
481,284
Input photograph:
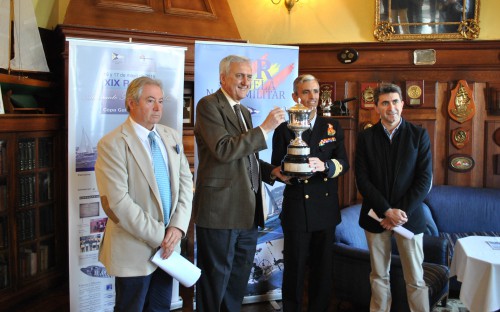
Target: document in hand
398,229
178,267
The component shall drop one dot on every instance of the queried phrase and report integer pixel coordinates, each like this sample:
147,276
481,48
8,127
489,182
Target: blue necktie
162,176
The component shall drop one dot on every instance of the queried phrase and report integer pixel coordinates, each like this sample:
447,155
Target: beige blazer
131,199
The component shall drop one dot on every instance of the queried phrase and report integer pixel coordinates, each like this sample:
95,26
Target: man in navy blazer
393,168
310,208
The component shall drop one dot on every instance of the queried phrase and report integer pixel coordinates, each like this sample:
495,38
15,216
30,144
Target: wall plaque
327,92
424,57
347,56
460,163
496,136
367,90
461,106
460,137
414,93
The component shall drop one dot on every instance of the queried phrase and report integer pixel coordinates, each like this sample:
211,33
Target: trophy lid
299,108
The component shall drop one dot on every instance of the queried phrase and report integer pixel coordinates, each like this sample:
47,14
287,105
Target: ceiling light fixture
288,3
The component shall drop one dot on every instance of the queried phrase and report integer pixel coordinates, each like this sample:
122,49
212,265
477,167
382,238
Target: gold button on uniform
326,194
325,179
307,196
306,181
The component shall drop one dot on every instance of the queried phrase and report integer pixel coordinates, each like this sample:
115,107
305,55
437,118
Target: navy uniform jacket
412,175
313,204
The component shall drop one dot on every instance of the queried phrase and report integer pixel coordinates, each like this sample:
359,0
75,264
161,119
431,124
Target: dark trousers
302,250
225,258
151,293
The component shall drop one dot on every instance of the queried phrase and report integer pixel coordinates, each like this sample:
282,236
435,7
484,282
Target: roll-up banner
99,74
274,69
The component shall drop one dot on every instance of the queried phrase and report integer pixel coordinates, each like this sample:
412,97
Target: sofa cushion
457,209
431,228
348,232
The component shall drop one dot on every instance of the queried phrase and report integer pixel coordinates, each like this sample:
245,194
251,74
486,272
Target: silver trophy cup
295,163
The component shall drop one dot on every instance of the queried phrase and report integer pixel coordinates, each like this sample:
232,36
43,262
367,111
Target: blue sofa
457,211
451,212
351,266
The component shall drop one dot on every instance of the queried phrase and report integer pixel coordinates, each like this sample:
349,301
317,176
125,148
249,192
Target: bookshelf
32,210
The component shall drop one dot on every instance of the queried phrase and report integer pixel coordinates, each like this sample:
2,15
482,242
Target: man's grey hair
225,63
301,79
134,90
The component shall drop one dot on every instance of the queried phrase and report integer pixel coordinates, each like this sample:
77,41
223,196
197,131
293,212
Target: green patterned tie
254,167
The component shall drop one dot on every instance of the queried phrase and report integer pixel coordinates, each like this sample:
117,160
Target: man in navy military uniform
310,206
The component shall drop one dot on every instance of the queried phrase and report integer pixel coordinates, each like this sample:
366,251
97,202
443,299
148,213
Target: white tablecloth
477,265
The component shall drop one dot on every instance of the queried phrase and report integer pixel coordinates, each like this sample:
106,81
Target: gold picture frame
426,20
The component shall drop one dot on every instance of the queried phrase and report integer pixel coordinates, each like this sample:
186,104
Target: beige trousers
412,256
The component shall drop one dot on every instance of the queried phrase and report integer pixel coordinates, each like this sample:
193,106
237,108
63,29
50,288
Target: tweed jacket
412,181
131,199
223,198
313,204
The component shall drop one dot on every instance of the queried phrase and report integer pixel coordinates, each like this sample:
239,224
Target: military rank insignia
325,141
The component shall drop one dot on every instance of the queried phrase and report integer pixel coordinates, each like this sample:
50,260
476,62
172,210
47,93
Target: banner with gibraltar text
99,73
274,70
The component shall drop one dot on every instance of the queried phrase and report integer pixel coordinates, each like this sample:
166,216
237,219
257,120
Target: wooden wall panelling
188,142
347,187
441,133
494,98
477,62
492,155
479,131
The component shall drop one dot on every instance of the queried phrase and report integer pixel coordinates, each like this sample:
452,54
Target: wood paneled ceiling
204,18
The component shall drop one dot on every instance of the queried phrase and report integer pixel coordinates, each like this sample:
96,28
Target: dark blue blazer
412,175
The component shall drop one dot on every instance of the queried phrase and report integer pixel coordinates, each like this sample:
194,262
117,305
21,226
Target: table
477,265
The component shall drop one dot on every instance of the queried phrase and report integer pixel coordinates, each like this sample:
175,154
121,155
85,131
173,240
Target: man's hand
316,164
393,218
277,173
273,120
172,237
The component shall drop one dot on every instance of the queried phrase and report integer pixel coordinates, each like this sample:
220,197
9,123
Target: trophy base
299,175
296,166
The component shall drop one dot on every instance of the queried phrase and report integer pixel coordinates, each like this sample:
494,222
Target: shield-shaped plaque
461,106
367,90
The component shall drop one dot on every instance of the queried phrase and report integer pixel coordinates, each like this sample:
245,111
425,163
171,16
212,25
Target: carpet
452,305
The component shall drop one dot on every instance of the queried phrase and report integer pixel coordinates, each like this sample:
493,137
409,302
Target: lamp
288,3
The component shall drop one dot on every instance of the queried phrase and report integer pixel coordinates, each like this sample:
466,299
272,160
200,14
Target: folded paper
178,267
398,229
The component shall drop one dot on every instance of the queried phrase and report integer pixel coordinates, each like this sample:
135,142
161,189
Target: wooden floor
58,301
